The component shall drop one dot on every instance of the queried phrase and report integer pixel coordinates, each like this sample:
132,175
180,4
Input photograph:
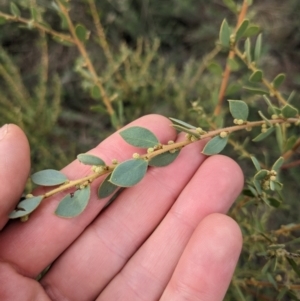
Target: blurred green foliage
162,58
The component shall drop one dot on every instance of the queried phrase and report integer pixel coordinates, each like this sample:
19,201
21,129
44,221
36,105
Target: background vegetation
156,57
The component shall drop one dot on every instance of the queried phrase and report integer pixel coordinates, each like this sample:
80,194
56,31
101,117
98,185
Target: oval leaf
255,90
15,10
241,30
264,135
225,34
129,172
215,145
184,124
256,76
139,137
278,80
26,206
260,175
90,159
248,50
48,177
106,188
251,31
73,204
81,32
163,159
238,109
257,50
278,164
289,111
256,163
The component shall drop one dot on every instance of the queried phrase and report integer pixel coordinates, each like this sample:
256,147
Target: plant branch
31,23
231,55
89,64
273,91
163,149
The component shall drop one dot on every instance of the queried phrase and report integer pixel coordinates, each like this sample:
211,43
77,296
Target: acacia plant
273,252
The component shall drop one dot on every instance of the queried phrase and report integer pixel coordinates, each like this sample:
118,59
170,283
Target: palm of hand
165,239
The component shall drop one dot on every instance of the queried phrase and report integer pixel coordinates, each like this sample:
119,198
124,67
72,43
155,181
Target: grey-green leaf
260,175
184,124
81,32
255,90
15,10
248,50
224,35
257,50
251,31
90,159
238,109
48,177
26,206
215,145
278,80
139,137
256,76
163,159
264,135
256,163
289,111
129,172
241,30
106,188
278,164
74,204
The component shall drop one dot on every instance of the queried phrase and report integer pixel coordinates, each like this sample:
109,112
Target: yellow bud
248,128
278,278
263,125
235,121
136,156
170,142
114,161
24,218
263,130
240,122
150,150
273,178
223,134
28,196
274,116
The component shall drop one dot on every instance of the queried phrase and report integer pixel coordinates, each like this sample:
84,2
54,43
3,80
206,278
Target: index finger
45,236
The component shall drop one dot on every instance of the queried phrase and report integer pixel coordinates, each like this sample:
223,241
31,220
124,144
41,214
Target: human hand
167,238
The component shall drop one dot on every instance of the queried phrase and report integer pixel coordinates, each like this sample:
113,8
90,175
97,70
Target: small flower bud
240,121
170,142
28,196
273,178
263,130
223,134
114,161
150,150
235,121
24,218
136,156
193,138
274,116
248,129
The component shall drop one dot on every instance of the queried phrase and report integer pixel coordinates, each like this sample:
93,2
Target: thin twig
231,55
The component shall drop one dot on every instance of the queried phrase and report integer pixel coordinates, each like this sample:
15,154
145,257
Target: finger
49,235
120,230
206,267
213,188
19,288
14,168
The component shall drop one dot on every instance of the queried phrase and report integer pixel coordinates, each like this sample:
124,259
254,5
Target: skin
167,238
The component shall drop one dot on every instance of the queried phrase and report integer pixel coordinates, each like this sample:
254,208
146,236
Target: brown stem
231,55
88,62
39,26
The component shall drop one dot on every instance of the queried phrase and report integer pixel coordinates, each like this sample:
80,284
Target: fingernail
3,131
